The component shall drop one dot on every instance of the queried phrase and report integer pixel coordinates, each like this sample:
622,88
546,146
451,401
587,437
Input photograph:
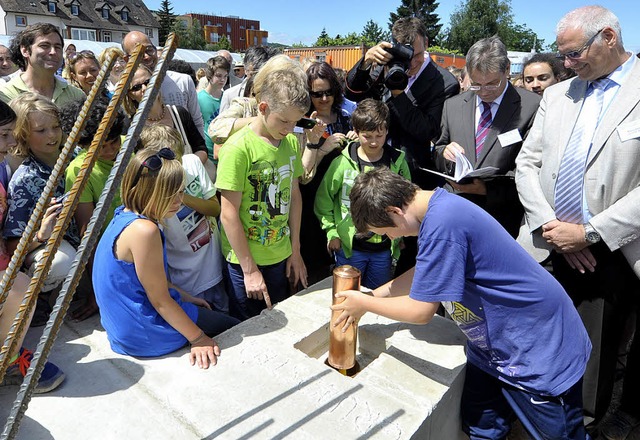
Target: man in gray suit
491,141
578,177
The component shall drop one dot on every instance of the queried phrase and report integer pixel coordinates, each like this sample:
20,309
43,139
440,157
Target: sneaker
618,426
50,379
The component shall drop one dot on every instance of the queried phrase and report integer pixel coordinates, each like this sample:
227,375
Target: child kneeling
141,313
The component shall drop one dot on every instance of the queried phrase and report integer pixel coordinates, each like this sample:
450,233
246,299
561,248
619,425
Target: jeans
213,323
216,296
490,405
275,278
374,266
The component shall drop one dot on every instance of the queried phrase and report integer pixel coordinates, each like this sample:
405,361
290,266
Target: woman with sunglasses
116,70
141,312
83,70
173,116
335,130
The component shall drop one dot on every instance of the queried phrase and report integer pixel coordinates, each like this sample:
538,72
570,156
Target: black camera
397,78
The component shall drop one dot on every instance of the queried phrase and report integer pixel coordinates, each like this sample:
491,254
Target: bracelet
320,143
40,241
199,338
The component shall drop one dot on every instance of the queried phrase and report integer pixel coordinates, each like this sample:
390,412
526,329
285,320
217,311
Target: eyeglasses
488,87
138,87
154,163
120,62
321,94
576,54
148,50
82,54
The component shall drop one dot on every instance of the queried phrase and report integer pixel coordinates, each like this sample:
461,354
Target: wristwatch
590,235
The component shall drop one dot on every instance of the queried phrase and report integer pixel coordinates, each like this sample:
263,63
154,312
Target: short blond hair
153,193
282,83
159,136
23,105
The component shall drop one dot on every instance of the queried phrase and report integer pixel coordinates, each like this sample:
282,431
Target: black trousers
604,298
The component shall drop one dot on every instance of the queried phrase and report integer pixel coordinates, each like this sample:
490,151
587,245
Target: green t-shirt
95,184
264,174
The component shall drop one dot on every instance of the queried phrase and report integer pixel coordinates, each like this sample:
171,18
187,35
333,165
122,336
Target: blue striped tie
483,127
570,184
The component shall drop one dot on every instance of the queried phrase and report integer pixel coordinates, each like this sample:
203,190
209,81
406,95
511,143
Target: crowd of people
251,181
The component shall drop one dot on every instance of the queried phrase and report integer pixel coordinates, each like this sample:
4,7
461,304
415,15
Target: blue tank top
133,325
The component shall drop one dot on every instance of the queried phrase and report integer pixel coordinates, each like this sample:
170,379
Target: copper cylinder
342,346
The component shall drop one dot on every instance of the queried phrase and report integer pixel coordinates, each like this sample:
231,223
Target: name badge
629,130
509,138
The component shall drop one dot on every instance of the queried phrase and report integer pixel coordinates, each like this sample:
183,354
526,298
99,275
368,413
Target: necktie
570,184
483,127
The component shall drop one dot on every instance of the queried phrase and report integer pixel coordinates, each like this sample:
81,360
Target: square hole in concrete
316,345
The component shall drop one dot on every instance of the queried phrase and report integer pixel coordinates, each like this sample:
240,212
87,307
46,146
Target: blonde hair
282,83
131,106
200,73
153,193
116,51
159,136
25,104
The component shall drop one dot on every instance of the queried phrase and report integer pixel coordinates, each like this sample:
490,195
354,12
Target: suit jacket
517,111
415,115
612,174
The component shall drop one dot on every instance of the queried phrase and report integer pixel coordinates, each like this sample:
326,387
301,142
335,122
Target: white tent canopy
197,58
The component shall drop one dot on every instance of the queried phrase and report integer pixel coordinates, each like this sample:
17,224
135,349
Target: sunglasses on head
82,54
154,162
322,94
138,87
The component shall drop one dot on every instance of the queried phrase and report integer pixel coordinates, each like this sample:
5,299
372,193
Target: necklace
164,110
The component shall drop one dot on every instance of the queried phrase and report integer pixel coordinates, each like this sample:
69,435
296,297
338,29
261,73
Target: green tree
477,19
323,39
422,9
519,37
372,34
167,19
190,37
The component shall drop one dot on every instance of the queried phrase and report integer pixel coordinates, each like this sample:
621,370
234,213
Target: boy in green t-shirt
258,175
372,254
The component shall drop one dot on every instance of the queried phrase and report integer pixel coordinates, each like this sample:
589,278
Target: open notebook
464,170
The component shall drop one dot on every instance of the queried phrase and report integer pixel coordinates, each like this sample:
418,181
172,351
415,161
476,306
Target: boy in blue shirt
527,348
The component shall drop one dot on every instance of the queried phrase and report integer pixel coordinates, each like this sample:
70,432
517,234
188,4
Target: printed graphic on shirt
270,200
472,325
195,227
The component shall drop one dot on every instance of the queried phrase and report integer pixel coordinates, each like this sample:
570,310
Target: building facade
240,32
103,21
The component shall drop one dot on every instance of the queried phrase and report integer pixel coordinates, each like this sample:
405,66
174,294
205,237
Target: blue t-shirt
521,326
134,327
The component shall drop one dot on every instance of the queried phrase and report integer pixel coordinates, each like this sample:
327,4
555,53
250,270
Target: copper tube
342,346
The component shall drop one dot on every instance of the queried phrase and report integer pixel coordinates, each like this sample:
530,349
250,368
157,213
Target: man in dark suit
416,109
494,140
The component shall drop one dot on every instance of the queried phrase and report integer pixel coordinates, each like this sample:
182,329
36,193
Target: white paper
464,169
509,138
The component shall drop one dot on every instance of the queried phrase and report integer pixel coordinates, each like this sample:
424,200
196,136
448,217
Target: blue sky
302,21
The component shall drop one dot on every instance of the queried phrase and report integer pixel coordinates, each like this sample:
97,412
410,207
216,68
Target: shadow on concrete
247,415
433,333
268,321
29,428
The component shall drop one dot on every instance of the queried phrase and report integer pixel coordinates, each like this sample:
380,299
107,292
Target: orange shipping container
345,57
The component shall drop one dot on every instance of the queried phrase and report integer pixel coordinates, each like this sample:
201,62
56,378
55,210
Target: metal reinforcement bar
93,229
53,243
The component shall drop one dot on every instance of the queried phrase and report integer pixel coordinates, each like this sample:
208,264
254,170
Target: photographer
415,98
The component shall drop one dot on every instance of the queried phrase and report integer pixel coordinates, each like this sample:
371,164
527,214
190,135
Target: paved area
271,382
